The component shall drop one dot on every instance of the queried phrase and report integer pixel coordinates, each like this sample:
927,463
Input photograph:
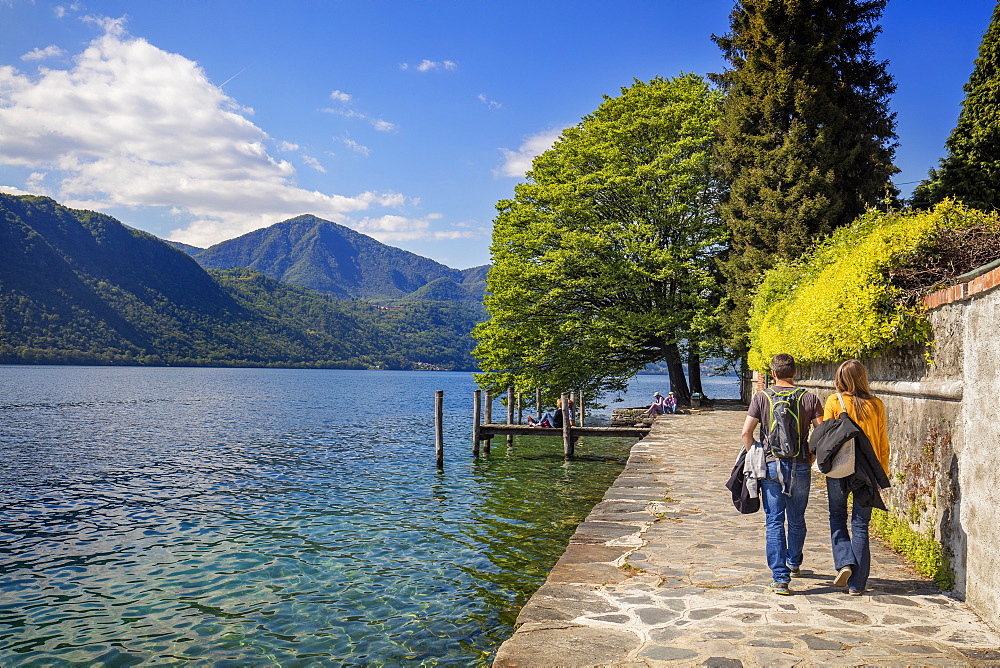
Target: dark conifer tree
806,140
970,171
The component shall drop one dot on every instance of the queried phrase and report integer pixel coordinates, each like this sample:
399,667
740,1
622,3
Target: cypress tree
970,171
806,139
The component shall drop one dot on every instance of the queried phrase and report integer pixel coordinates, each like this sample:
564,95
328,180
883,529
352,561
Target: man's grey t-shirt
809,409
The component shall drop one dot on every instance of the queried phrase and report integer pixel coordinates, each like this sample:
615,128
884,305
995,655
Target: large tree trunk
694,370
678,384
746,386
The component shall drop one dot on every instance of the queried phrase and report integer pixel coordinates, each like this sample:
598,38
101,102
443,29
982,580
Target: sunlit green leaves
603,260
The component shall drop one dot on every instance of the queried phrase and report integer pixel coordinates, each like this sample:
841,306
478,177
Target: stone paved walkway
664,571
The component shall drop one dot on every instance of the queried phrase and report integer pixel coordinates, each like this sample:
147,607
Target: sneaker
855,592
843,575
794,571
780,588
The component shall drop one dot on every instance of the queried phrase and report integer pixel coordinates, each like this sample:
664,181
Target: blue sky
201,120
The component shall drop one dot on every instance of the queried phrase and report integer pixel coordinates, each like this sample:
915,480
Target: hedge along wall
838,302
937,368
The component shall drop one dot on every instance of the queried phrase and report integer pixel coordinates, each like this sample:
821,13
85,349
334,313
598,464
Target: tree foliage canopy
603,261
806,138
970,172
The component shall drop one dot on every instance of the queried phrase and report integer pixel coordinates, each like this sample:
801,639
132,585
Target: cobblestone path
665,572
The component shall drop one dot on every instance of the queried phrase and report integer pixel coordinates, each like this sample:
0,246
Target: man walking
784,414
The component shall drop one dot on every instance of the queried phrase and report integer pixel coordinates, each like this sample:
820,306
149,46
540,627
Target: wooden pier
487,430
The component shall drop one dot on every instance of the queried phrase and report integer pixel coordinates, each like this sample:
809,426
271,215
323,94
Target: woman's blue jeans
781,505
849,548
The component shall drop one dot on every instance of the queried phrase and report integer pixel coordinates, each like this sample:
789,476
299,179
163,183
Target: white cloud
428,65
356,147
11,190
131,125
340,96
62,10
393,228
314,163
287,146
377,123
491,104
516,163
52,51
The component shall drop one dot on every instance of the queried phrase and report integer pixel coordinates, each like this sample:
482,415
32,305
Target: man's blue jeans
784,550
849,548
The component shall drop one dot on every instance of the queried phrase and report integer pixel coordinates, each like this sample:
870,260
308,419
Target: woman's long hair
852,378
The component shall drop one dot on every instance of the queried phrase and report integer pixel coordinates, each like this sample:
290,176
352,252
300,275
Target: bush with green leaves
839,302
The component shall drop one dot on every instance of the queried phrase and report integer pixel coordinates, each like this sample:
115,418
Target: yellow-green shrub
837,302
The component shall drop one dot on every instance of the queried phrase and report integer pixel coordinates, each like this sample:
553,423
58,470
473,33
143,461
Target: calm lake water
273,517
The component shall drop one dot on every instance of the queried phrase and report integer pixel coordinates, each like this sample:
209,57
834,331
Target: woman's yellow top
872,422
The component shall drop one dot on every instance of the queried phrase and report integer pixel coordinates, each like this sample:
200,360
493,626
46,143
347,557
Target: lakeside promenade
664,571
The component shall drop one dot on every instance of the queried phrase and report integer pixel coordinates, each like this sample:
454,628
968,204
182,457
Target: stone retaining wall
944,433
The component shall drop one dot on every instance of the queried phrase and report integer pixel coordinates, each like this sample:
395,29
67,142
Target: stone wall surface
979,510
944,433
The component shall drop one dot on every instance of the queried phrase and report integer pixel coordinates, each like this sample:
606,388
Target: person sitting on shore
670,403
552,419
659,405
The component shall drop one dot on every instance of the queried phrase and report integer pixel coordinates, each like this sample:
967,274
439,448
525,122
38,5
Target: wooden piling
510,414
477,406
489,420
538,402
567,434
520,408
439,427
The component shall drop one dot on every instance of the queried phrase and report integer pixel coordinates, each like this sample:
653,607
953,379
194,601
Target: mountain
327,257
187,248
80,287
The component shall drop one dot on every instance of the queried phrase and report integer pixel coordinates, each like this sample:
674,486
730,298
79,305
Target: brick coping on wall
966,290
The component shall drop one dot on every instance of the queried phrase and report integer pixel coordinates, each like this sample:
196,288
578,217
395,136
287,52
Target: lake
273,517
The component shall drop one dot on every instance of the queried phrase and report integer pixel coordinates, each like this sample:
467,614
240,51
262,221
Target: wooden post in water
520,408
579,407
489,420
439,427
477,405
538,402
567,434
510,414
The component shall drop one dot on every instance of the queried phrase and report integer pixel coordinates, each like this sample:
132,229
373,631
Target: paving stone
655,616
850,616
664,653
981,654
722,662
814,643
723,635
612,619
705,613
667,634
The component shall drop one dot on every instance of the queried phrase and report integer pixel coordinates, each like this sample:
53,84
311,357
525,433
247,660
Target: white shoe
843,575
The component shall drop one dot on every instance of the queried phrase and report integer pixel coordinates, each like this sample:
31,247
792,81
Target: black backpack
784,405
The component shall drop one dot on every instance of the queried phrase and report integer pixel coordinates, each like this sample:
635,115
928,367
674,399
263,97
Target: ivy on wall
838,301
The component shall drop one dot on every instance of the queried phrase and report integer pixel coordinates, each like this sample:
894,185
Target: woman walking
851,554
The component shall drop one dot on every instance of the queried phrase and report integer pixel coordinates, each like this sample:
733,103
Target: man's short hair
783,366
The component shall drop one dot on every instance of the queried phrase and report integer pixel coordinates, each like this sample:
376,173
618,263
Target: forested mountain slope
80,287
334,259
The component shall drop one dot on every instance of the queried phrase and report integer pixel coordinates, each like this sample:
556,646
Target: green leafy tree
970,171
806,138
604,260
